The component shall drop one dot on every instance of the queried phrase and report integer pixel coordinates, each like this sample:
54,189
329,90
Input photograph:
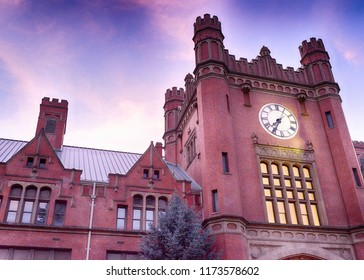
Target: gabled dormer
52,119
36,159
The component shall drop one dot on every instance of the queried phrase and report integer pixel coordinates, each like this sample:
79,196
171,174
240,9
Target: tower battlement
313,46
54,102
175,94
207,22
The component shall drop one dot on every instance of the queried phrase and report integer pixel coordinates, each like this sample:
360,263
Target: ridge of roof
95,163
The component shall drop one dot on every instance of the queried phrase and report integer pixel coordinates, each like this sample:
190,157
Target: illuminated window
290,197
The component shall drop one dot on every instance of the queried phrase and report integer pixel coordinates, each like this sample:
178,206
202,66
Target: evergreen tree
179,236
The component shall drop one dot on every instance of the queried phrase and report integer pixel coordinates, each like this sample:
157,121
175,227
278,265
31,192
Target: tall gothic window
162,206
290,195
149,212
137,212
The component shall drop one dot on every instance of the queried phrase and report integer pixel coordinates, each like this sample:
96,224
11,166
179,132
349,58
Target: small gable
35,159
151,170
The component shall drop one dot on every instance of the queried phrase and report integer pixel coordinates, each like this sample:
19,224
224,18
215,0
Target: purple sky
113,60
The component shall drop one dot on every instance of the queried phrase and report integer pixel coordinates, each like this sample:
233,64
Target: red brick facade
263,151
283,190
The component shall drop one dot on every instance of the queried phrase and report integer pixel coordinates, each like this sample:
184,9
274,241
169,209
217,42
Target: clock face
278,121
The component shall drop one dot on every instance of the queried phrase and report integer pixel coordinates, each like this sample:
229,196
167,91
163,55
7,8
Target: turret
316,61
173,103
190,86
53,118
208,39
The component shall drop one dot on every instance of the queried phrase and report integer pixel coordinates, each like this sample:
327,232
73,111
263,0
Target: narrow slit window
330,121
215,201
225,163
356,176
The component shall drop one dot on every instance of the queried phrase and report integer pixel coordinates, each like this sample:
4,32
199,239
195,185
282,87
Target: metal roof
180,174
8,148
95,164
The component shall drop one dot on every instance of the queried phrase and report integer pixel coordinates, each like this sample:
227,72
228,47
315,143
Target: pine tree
179,236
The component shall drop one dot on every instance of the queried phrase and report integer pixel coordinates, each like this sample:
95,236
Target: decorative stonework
260,250
303,236
277,152
344,253
192,107
277,242
276,87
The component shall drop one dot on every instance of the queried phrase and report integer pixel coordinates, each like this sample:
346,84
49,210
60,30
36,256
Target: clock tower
271,149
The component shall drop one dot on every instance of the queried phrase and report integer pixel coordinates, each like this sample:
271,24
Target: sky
114,60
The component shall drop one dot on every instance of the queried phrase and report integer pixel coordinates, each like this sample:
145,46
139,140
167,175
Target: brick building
263,151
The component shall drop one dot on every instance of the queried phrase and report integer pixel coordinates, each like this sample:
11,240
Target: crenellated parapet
210,24
213,58
54,102
313,51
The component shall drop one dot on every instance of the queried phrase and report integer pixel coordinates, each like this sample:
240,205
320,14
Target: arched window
162,206
137,212
42,211
30,194
14,201
149,212
29,206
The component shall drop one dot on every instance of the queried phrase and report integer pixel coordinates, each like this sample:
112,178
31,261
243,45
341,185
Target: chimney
159,148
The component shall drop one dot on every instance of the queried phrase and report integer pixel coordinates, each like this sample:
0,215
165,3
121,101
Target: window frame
289,192
121,219
56,214
225,162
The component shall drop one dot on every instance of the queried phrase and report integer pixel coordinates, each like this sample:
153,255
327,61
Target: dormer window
156,174
30,161
42,163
